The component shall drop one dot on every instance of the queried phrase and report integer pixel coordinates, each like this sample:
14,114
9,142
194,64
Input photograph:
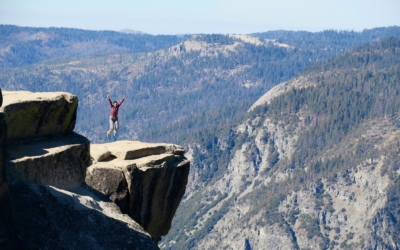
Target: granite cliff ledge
58,190
146,180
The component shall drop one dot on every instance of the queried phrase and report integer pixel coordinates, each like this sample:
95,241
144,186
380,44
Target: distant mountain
129,31
315,165
205,77
169,87
329,41
20,46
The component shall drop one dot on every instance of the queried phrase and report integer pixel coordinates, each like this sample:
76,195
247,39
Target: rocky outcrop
76,220
8,234
38,114
131,193
146,180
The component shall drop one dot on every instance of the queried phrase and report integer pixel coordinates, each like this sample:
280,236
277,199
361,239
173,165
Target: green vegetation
331,42
216,38
311,225
393,210
181,99
67,42
343,98
350,92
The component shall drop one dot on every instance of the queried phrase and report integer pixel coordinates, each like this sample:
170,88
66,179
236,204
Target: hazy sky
202,16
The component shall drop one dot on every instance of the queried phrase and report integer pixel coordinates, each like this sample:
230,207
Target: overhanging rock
38,114
146,180
45,166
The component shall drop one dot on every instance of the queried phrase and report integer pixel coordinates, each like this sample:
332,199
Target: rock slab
130,150
58,219
59,161
146,180
38,114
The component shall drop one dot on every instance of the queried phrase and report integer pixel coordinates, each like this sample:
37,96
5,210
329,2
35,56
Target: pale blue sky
202,16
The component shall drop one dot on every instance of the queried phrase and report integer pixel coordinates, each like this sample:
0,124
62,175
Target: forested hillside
329,41
181,94
316,166
21,46
204,74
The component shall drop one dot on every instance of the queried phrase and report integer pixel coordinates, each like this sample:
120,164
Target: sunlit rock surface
38,114
58,161
146,180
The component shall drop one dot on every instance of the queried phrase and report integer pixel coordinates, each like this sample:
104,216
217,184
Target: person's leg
116,127
111,126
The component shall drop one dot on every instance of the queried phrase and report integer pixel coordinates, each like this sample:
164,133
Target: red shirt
114,110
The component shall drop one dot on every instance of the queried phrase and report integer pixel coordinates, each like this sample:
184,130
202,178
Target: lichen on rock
39,114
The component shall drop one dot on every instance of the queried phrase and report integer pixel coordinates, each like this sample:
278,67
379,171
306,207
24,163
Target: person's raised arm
108,98
122,100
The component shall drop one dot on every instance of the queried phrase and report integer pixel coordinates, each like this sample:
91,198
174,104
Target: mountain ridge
295,181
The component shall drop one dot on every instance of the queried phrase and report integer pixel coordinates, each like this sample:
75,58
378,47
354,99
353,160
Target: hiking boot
108,133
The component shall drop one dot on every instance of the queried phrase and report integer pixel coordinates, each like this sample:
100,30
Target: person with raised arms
114,115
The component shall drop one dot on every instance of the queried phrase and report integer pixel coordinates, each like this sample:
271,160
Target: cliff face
259,204
8,235
3,139
144,178
314,166
124,198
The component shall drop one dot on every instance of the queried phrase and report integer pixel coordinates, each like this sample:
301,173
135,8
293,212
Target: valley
293,137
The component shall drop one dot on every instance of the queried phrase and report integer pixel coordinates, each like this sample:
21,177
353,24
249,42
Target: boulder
38,114
58,219
59,161
146,180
